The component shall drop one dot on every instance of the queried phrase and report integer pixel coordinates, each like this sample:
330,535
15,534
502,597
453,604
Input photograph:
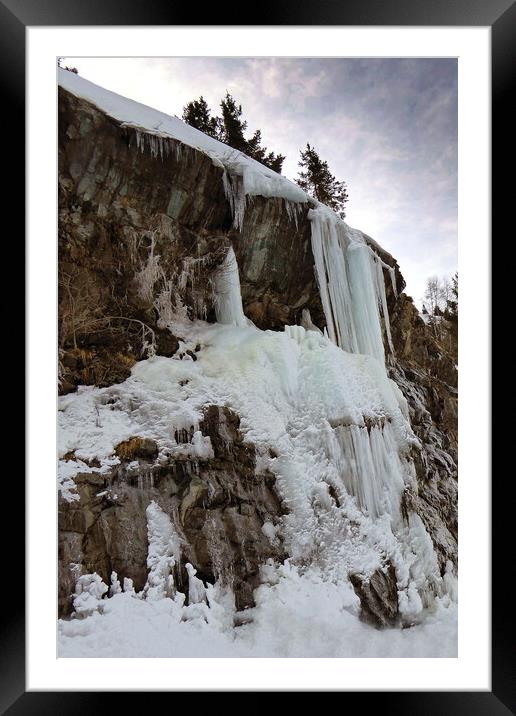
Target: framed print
273,446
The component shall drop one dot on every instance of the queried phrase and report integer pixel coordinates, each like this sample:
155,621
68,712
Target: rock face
218,507
135,225
378,597
426,372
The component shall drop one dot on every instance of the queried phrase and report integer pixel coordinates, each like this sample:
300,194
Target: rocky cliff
143,230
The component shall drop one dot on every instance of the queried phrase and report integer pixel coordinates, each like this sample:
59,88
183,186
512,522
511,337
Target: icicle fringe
351,285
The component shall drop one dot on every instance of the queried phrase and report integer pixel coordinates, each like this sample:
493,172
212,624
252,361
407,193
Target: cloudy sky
388,127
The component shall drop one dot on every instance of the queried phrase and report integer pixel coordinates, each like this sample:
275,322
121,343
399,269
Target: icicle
157,144
371,468
390,269
235,194
293,208
164,553
226,289
380,291
331,273
392,272
365,303
351,289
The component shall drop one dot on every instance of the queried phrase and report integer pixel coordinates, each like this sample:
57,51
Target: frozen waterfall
371,468
226,292
350,279
326,432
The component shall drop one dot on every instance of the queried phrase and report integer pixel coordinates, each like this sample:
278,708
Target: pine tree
233,127
274,161
230,129
254,148
317,180
232,133
256,151
197,114
452,304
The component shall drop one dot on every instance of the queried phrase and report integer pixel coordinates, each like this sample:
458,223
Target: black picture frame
500,15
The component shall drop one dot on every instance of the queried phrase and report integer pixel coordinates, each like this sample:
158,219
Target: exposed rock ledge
218,507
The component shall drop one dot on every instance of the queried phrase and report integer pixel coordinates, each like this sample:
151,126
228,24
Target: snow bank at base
296,616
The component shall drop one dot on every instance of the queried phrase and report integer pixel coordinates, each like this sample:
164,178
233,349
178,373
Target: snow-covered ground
295,617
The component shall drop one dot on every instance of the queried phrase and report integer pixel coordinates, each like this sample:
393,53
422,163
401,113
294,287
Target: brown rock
378,596
133,448
115,201
218,507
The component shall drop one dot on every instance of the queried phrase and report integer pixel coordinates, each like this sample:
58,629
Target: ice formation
334,420
226,292
323,403
89,590
351,285
163,555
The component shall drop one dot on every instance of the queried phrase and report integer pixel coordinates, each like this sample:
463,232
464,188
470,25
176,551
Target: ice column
371,468
163,555
226,291
351,286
